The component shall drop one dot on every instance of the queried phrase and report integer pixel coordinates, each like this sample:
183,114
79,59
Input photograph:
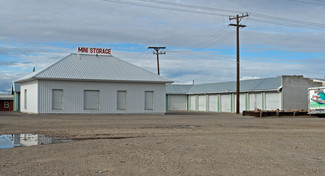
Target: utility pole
238,25
157,53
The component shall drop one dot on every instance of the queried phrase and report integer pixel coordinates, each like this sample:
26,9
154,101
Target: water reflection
18,140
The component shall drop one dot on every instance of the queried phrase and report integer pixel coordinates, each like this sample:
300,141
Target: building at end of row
279,93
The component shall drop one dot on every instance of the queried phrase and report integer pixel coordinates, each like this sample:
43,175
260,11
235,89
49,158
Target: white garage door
255,101
177,102
202,103
272,101
242,102
193,102
251,101
226,103
213,103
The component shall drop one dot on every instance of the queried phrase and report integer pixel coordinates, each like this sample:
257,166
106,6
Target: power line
207,11
286,24
141,55
308,2
222,38
192,6
165,8
182,52
233,11
216,35
286,20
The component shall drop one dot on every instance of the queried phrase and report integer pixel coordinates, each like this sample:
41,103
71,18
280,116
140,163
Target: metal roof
15,87
6,97
178,89
94,68
266,84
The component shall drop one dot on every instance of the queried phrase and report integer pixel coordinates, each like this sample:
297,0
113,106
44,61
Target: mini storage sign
94,51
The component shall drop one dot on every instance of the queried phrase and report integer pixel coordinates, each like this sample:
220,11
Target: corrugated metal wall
227,102
272,101
73,97
31,97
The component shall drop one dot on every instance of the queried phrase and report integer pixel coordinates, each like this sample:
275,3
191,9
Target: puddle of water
20,140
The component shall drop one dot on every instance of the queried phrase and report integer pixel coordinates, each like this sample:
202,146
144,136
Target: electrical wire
207,11
166,8
233,11
212,37
286,24
286,20
308,2
220,39
185,53
192,6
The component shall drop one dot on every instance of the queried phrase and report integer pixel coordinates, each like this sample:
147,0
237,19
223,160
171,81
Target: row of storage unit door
224,102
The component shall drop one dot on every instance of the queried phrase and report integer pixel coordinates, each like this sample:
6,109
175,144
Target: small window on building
121,100
91,99
25,99
57,95
148,100
6,104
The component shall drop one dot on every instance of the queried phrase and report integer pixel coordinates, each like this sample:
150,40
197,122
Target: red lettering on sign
82,49
94,50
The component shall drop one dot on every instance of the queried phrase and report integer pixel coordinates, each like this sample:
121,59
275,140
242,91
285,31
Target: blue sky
282,37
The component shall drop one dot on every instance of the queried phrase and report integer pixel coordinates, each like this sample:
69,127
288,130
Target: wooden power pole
157,53
238,26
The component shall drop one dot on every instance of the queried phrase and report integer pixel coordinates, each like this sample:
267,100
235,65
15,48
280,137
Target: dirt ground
173,144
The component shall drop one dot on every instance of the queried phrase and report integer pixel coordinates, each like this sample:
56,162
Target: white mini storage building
92,84
283,93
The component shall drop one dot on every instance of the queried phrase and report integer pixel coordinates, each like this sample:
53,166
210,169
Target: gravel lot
172,144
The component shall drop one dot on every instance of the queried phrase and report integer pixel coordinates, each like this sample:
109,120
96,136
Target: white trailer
316,100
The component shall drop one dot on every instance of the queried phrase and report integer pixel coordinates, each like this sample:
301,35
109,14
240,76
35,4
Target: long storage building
283,93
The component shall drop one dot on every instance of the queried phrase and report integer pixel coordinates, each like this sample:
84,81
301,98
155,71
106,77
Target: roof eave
25,80
94,80
225,92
